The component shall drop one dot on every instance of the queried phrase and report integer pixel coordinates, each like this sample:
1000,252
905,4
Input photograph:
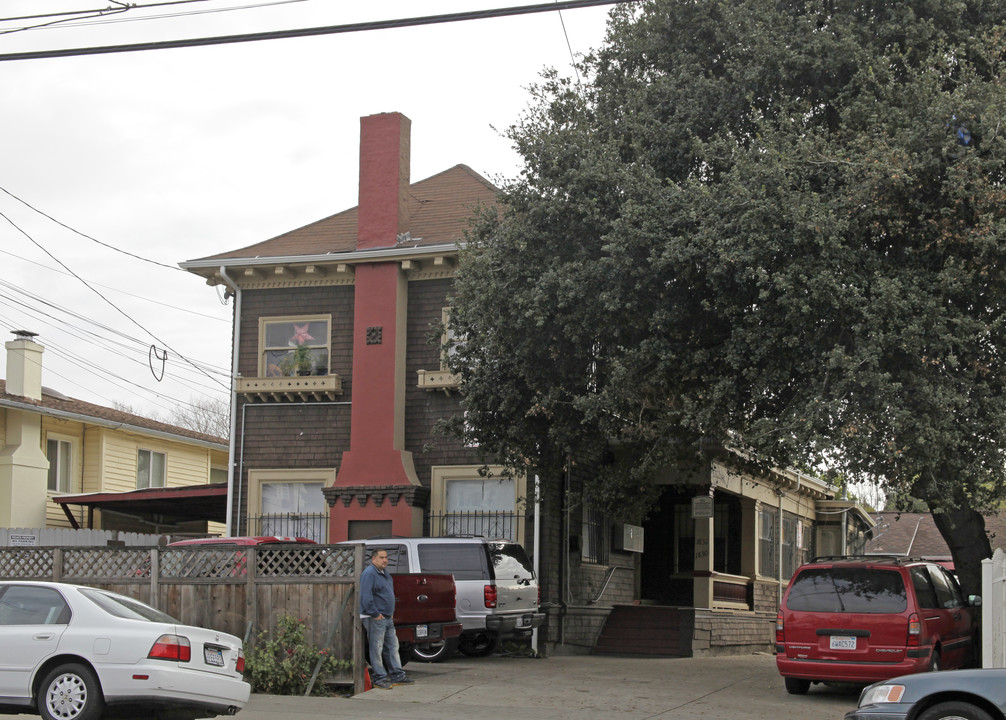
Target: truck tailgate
424,599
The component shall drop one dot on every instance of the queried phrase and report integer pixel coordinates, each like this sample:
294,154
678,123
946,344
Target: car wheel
934,661
478,644
70,692
797,686
434,652
955,710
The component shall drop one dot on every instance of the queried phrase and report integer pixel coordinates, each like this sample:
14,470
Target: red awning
175,504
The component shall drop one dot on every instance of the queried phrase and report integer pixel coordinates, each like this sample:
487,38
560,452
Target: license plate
843,642
524,621
213,656
422,631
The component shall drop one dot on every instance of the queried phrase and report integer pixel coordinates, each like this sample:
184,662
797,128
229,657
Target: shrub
284,664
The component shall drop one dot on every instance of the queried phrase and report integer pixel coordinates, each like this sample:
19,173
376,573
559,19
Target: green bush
284,664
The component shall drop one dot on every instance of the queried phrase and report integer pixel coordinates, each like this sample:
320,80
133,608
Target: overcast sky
177,154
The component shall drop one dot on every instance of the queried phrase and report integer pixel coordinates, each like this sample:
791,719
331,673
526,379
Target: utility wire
89,22
53,23
103,374
309,32
106,340
83,235
113,305
118,290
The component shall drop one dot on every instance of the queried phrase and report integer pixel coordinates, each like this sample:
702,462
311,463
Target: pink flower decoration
300,334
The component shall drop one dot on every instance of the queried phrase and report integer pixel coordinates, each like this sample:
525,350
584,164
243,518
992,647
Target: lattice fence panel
304,561
225,562
26,564
89,563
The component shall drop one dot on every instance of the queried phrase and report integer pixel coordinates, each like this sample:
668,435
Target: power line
310,32
83,235
113,305
89,22
118,290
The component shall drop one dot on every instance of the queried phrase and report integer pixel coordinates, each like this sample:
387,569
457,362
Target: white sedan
69,652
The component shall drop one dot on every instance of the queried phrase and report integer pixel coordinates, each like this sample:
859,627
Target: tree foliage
775,224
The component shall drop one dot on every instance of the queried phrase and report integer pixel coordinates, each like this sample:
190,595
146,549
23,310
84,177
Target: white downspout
537,548
234,396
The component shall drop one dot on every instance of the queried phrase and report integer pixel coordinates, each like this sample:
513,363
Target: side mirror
975,600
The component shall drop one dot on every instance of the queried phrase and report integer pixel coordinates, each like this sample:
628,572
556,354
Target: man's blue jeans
383,646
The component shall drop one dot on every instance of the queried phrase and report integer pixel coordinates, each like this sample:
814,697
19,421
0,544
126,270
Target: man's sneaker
383,684
404,680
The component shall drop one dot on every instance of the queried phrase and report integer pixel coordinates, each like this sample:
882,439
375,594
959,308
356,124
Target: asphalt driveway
577,688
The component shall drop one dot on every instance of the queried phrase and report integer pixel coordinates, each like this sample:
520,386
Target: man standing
377,604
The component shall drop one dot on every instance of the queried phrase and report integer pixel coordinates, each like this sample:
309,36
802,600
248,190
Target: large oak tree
777,225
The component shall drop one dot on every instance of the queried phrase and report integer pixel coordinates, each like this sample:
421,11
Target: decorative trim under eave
413,495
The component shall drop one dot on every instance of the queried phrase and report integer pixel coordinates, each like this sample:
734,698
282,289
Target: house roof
916,535
440,209
58,405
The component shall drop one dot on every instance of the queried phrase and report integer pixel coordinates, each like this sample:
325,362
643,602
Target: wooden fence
243,591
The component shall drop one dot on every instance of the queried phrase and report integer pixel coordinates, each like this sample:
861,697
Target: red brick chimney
383,213
376,458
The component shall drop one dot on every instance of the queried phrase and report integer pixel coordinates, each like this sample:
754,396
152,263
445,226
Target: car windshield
846,589
510,561
124,607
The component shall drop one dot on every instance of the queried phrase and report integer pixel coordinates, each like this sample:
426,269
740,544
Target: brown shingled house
340,379
69,463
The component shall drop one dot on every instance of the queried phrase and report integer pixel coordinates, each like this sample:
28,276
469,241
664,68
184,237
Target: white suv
497,592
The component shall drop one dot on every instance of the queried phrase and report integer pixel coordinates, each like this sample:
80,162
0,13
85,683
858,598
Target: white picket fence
66,537
994,610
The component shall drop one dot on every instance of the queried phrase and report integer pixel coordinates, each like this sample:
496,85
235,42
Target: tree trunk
964,531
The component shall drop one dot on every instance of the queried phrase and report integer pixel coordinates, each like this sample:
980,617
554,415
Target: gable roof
440,209
58,405
916,535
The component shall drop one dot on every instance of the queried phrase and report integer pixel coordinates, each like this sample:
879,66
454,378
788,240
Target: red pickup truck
425,622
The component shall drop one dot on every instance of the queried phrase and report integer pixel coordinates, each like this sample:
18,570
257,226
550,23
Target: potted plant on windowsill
302,360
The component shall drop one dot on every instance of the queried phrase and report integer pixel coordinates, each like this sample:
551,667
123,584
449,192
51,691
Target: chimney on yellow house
23,466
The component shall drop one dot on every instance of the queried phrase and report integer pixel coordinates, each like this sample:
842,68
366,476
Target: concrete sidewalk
576,688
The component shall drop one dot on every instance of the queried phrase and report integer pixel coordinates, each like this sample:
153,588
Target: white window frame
150,469
71,443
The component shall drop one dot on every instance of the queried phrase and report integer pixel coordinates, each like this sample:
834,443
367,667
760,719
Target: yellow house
69,463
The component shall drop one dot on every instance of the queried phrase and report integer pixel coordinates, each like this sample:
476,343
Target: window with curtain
293,509
480,506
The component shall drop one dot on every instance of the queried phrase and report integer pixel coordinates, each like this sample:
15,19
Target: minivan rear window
849,590
466,561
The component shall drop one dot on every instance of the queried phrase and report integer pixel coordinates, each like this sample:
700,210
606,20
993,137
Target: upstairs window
60,455
150,467
295,345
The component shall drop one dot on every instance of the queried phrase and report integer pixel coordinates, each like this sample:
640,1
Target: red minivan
864,619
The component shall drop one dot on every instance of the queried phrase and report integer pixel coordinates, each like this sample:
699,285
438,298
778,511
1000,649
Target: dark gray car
948,695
